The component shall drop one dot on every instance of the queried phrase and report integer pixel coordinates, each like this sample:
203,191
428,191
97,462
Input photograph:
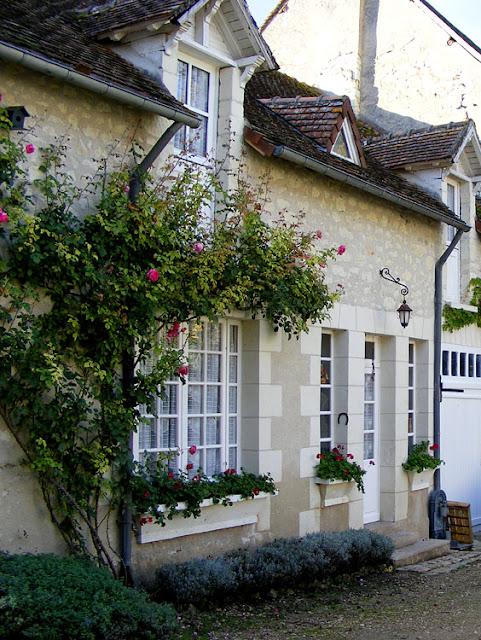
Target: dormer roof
273,135
440,145
116,19
320,118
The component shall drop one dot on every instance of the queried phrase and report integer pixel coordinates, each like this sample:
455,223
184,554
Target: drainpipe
438,312
128,366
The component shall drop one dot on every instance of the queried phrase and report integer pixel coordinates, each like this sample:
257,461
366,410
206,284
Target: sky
463,14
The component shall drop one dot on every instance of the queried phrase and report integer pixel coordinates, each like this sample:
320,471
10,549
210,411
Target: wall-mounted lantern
17,116
404,310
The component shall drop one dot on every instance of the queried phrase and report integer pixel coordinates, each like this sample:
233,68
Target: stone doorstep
420,551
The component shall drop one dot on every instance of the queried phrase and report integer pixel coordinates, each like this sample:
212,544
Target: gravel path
439,600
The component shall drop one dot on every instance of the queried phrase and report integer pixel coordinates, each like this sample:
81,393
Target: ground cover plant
282,563
51,598
91,287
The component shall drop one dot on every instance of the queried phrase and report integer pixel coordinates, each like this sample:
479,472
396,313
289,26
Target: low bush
48,597
285,562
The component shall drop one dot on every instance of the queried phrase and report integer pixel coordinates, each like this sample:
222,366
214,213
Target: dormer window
344,145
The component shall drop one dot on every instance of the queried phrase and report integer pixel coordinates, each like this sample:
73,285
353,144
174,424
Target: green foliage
455,319
90,287
283,563
419,457
334,465
51,598
155,484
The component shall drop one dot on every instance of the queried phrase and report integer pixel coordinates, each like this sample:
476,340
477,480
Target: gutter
106,89
438,312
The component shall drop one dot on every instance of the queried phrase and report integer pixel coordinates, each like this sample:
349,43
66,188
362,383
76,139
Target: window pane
198,138
368,386
234,338
196,367
196,399
199,89
232,458
212,461
233,368
325,372
147,435
213,368
194,431
369,351
232,430
182,79
454,363
325,399
212,431
368,417
233,400
325,426
326,345
168,400
368,446
445,363
213,399
168,433
411,399
471,365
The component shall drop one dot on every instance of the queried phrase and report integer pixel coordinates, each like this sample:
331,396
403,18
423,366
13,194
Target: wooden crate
459,522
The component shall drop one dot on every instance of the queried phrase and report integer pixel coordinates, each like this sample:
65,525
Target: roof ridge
410,133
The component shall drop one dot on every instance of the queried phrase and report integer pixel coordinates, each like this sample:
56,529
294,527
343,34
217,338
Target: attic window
344,145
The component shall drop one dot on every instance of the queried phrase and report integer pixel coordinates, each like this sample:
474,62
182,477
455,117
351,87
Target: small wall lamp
404,310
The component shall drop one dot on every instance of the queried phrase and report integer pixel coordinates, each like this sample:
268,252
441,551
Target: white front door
371,433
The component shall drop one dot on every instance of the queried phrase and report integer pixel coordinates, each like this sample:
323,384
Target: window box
420,480
214,517
334,492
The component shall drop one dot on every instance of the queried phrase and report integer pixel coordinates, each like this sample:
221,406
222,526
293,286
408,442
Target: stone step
420,551
400,536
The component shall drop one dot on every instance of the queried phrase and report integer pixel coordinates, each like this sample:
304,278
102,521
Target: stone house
360,380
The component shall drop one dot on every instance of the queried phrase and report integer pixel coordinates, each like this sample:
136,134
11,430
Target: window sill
214,517
465,307
334,492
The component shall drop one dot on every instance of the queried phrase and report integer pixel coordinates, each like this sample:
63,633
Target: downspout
438,313
128,365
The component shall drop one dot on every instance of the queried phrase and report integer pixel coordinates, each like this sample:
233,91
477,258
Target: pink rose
183,370
3,216
319,234
153,275
126,188
192,450
341,250
198,246
174,332
30,148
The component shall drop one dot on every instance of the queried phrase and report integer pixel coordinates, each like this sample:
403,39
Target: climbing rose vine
89,289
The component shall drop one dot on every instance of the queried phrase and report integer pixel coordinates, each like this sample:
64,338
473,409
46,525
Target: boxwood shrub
48,597
285,562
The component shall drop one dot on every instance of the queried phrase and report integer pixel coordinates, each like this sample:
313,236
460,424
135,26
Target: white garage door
461,428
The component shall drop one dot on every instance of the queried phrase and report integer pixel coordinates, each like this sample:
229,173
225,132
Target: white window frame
326,392
412,383
347,136
453,264
210,114
226,445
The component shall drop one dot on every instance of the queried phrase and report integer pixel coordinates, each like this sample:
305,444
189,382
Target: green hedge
48,597
285,562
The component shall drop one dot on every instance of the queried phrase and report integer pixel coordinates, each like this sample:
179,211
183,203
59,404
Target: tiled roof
114,14
316,117
50,29
278,132
430,145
